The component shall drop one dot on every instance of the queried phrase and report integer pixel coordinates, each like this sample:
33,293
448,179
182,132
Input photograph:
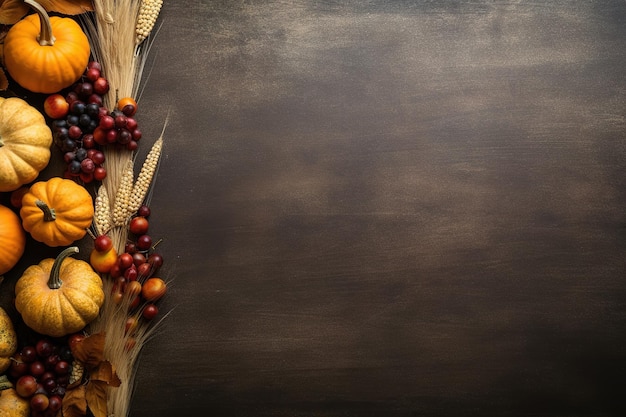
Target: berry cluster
119,126
81,123
42,372
87,164
136,269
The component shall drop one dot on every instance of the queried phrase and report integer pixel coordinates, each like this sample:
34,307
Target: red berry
85,89
112,136
88,141
115,271
37,369
98,157
145,270
138,258
94,64
131,123
103,243
144,242
62,367
39,402
136,134
107,122
100,136
75,132
95,98
71,97
54,403
150,311
131,273
124,136
99,173
44,348
29,354
18,366
132,145
26,386
87,166
92,74
101,86
156,260
138,225
120,121
125,260
130,248
143,211
86,177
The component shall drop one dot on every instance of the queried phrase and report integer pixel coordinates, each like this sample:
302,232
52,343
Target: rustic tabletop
389,208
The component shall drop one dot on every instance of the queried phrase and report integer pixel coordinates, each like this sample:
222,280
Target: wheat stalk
113,44
113,37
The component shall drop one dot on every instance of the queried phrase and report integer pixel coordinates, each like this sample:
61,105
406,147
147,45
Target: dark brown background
389,208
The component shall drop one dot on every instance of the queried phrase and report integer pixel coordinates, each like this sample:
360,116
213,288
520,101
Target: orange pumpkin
57,212
12,239
45,54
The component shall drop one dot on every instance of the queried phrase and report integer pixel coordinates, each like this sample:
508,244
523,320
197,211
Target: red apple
55,106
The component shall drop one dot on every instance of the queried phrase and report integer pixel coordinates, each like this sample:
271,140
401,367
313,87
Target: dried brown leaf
90,351
11,11
75,402
104,372
67,7
96,394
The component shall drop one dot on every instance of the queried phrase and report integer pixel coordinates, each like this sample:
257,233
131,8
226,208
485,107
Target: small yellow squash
25,141
59,296
57,212
11,404
8,340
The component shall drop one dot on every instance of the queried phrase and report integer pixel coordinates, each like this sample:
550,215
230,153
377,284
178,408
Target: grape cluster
82,123
87,164
42,372
118,127
135,271
75,118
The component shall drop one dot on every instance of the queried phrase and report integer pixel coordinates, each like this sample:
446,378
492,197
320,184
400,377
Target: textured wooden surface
389,208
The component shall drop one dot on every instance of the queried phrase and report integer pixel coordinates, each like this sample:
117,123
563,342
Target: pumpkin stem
54,281
49,215
45,38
